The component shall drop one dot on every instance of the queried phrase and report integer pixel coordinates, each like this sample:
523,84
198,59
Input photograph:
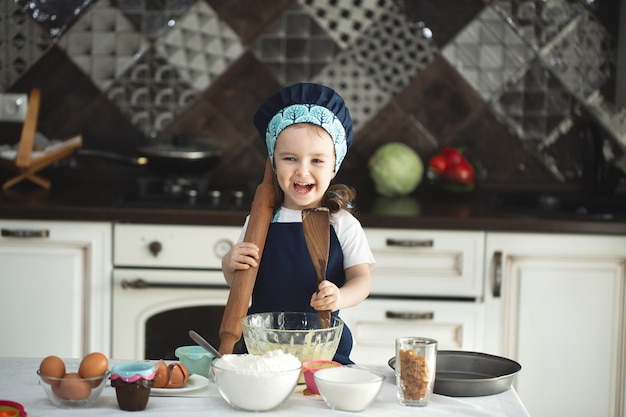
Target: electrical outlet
13,107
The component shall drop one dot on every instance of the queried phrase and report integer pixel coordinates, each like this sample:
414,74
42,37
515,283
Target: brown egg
56,389
74,387
161,376
92,365
52,366
179,375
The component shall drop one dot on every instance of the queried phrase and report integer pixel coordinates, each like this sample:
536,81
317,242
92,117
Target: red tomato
452,155
438,163
461,173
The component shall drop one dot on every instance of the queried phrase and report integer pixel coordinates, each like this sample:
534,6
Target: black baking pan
471,374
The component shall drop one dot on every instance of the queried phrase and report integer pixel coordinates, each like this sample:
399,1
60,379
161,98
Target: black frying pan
191,157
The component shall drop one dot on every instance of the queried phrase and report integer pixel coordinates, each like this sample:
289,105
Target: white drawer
427,262
376,323
172,246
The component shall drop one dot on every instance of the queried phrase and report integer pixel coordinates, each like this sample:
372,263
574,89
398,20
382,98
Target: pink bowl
310,367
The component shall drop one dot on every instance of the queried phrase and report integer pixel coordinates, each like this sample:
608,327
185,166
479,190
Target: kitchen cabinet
427,263
55,282
555,304
377,322
425,283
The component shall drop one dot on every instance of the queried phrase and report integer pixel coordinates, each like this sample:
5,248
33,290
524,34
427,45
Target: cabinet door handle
410,315
496,284
142,284
411,243
26,233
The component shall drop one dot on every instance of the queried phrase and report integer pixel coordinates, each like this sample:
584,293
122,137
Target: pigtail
339,196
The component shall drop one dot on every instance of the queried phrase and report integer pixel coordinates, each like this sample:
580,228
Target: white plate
195,382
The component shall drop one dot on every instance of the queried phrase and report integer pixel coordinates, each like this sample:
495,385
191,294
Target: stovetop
198,193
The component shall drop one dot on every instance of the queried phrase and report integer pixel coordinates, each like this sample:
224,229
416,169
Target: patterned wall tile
22,42
504,157
346,20
250,18
583,56
103,43
72,104
442,19
295,47
151,93
537,105
362,95
392,50
487,52
537,22
613,119
55,16
440,101
154,17
200,46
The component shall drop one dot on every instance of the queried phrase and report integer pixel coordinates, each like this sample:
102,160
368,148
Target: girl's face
304,159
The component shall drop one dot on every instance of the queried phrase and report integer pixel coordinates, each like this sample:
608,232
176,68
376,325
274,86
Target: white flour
257,382
272,361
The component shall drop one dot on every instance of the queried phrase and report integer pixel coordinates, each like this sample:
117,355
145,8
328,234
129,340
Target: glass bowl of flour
256,382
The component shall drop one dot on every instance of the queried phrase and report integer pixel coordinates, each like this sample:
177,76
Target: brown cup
132,396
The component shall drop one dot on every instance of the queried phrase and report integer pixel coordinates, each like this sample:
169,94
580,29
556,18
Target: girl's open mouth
302,187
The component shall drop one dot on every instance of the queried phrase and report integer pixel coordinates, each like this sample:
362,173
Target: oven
167,279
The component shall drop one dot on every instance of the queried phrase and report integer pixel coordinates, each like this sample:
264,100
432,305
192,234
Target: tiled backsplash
509,80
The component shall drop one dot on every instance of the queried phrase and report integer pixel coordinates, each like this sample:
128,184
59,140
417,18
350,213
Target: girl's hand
242,256
327,297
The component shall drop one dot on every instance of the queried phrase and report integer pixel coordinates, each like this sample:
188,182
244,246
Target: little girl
307,129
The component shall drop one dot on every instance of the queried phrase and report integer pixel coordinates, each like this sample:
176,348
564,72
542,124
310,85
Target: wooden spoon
316,225
243,284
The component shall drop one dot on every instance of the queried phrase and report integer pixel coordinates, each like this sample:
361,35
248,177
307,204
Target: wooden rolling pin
243,284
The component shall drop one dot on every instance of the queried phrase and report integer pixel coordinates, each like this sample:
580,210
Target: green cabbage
396,169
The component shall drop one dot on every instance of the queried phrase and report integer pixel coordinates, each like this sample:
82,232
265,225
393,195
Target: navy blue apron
286,278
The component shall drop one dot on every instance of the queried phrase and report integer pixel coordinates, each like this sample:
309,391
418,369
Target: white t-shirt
354,244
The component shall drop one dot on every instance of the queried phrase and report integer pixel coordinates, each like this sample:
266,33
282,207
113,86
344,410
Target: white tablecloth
19,382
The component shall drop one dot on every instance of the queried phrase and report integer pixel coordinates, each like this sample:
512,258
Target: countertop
20,383
99,194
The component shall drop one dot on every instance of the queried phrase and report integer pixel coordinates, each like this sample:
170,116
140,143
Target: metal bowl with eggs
298,333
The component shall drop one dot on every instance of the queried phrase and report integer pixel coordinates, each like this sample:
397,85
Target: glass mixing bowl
300,334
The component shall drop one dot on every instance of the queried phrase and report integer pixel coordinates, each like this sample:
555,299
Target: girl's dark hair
337,197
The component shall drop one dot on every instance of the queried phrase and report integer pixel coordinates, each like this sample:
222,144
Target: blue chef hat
306,103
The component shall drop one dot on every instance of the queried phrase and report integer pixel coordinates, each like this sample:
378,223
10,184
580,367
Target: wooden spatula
316,224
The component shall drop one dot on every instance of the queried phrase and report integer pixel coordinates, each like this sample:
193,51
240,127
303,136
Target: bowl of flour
256,382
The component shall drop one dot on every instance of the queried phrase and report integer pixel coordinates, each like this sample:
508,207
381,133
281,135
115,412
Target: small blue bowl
196,358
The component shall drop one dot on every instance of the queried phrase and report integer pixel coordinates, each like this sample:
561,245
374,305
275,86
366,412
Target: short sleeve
354,244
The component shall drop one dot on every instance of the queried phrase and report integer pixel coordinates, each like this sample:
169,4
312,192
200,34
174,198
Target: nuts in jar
415,369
